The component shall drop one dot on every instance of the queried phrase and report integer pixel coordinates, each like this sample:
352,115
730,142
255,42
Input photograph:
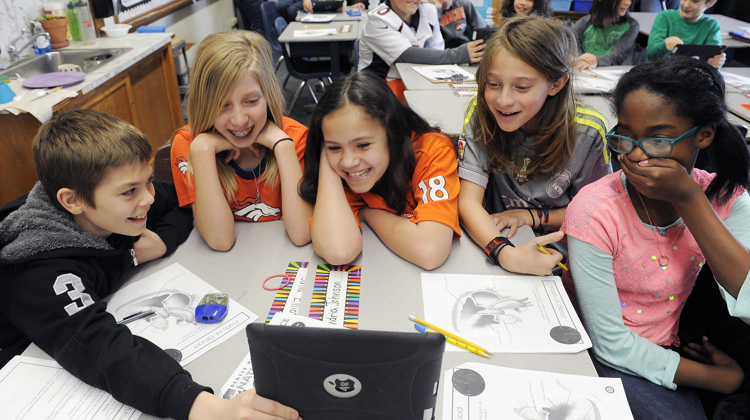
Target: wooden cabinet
145,95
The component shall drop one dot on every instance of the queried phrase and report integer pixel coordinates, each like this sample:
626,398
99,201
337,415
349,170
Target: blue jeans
649,401
655,5
288,9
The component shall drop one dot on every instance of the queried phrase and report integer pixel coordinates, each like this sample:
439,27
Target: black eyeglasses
654,147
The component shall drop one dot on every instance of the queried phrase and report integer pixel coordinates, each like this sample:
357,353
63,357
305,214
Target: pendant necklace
663,258
257,190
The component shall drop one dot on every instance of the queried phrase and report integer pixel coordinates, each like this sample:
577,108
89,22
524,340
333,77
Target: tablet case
699,51
483,33
327,5
337,374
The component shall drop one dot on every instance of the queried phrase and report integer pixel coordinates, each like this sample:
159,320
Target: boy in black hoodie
74,239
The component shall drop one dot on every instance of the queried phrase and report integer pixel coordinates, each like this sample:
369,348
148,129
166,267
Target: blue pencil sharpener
212,308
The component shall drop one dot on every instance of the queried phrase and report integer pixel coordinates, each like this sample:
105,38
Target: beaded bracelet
273,149
543,218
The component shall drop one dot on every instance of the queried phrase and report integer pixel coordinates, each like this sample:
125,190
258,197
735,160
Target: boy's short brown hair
76,149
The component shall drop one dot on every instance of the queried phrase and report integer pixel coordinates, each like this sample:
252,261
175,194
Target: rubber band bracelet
501,242
286,283
533,223
273,149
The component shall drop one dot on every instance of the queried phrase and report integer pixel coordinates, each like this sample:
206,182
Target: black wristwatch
501,242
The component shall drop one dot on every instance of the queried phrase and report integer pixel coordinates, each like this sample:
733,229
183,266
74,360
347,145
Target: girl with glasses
639,238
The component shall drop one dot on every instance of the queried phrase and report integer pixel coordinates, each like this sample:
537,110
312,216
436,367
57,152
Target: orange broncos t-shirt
243,206
435,186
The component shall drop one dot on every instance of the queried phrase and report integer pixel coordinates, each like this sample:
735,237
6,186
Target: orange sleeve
183,180
435,183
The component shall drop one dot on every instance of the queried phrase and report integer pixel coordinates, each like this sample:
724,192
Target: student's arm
213,216
617,346
59,310
297,212
335,232
714,38
736,222
656,39
620,52
426,244
482,229
475,20
246,406
467,53
166,219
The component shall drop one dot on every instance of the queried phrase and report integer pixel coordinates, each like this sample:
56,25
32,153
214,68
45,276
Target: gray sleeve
620,52
472,158
458,55
579,28
472,17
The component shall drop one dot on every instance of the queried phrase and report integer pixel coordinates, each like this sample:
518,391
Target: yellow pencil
483,353
450,335
541,248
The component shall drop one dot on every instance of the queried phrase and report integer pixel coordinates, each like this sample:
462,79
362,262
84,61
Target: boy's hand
149,247
246,406
357,6
307,5
708,354
671,42
587,61
476,50
718,60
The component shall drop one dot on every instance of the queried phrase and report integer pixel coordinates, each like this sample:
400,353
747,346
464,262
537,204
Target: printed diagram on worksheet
476,391
511,314
173,293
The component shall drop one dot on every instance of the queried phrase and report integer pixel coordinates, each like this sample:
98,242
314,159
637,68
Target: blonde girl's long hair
221,61
546,45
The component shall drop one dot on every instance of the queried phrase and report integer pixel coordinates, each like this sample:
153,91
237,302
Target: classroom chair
269,14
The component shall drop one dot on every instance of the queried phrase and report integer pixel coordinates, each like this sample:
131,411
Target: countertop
142,45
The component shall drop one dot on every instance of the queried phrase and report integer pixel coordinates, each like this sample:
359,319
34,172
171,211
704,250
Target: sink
89,60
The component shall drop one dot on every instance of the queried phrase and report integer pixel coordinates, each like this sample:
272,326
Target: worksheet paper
173,293
444,73
312,33
474,391
243,377
289,297
32,389
507,314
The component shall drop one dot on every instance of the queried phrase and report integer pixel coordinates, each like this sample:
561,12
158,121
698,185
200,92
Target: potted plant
57,27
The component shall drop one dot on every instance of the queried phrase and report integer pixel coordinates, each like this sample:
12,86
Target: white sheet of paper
317,18
173,293
310,33
735,79
444,73
299,321
474,391
506,314
32,388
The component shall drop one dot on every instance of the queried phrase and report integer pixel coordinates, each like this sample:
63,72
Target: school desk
646,22
336,45
343,16
390,292
415,81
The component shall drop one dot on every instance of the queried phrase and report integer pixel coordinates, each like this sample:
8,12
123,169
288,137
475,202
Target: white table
342,16
390,291
646,22
415,81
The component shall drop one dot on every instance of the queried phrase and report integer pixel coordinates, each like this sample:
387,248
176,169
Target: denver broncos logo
255,211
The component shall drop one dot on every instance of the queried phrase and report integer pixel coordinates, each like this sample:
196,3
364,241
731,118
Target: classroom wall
193,22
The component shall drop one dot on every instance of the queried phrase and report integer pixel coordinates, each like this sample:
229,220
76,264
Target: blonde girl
527,148
239,158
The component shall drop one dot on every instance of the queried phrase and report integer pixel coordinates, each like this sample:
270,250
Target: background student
638,238
372,159
458,20
75,239
527,149
689,25
239,157
405,31
605,36
504,9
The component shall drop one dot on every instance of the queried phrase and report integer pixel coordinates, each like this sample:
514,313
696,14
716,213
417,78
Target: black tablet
483,33
343,374
327,6
699,51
